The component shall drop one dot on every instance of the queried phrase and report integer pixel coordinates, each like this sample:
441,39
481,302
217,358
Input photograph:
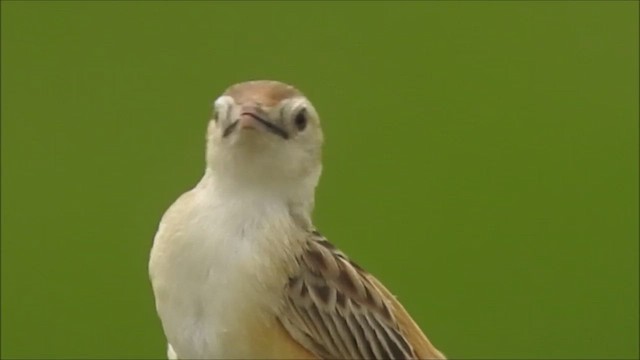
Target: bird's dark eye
301,120
215,116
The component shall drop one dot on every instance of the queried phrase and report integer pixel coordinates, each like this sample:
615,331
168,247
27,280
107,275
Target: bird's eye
301,120
215,116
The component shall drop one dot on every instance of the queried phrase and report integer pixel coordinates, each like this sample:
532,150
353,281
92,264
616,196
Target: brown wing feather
338,311
418,340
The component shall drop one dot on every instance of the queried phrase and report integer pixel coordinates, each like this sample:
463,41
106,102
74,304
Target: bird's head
265,133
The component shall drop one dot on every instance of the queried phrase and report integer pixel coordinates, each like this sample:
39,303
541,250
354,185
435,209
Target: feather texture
337,310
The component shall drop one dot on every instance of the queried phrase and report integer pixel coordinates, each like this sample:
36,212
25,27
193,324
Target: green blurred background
481,160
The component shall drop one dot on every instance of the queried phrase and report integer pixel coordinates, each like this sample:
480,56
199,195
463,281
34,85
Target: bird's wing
338,311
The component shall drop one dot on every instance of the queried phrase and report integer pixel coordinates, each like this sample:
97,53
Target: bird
238,269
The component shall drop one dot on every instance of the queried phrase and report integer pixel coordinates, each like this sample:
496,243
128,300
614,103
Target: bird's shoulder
336,309
180,208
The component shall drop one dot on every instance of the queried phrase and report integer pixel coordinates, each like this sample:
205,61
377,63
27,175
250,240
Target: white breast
217,272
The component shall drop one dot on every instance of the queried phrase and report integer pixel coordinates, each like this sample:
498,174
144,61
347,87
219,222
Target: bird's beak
252,118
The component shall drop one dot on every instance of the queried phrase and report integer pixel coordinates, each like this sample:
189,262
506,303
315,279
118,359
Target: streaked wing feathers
338,311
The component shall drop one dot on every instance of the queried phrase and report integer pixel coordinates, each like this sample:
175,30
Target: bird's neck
296,197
